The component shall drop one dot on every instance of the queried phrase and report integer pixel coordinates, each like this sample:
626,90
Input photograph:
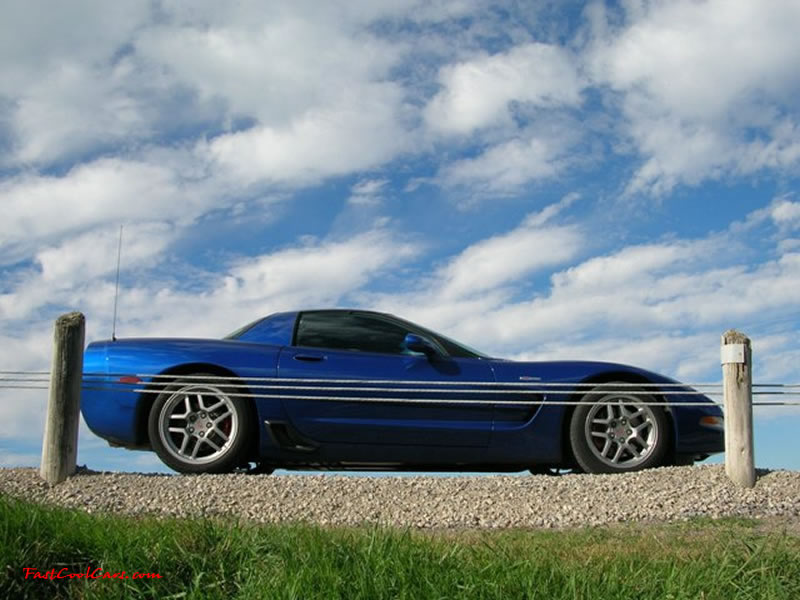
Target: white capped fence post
60,445
737,383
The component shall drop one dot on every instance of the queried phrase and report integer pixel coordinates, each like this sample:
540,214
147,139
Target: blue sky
610,181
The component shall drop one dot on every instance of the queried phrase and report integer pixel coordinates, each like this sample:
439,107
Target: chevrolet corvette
355,389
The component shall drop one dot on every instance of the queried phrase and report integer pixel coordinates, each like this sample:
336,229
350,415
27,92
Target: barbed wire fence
67,379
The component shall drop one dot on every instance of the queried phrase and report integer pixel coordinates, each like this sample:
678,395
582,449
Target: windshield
448,342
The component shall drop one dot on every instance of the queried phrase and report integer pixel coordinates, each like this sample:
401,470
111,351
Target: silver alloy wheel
198,424
621,431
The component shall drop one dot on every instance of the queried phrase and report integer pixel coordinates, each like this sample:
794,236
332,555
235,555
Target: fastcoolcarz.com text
96,573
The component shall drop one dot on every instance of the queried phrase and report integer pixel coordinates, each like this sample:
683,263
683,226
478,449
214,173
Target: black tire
684,460
620,431
199,426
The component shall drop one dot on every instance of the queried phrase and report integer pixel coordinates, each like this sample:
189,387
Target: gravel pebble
491,501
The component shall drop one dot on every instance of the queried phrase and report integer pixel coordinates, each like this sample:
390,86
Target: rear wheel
620,431
198,427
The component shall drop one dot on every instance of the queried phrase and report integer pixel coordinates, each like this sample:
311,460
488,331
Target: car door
356,346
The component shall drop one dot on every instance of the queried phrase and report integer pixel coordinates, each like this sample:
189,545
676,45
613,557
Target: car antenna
116,289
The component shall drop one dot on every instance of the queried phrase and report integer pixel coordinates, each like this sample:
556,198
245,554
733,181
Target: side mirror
417,343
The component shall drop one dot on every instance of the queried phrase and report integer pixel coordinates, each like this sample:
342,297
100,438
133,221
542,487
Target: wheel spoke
212,444
636,453
176,429
184,443
599,434
216,406
618,453
606,447
221,434
175,415
220,418
637,413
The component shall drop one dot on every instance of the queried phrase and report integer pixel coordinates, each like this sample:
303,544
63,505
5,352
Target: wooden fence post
60,445
737,383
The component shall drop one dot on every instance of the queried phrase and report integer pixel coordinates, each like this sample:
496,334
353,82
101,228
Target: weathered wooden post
60,445
737,382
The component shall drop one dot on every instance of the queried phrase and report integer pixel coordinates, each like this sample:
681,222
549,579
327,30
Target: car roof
349,310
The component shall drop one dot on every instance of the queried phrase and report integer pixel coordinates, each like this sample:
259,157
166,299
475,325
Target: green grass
218,559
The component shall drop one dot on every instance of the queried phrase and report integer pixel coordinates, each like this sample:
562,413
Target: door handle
309,357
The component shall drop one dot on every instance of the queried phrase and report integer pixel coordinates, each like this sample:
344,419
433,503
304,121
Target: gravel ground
495,501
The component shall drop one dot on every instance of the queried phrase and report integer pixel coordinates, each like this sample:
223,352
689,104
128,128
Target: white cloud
282,64
75,110
507,258
673,289
510,106
478,93
78,266
39,208
320,273
535,153
367,192
486,274
94,254
707,89
786,213
66,90
312,275
359,130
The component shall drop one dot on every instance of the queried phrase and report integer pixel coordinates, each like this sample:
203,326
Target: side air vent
287,437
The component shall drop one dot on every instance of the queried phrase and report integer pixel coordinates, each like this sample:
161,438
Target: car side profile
355,389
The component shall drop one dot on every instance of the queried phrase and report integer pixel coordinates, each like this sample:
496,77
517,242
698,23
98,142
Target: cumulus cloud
478,93
358,131
314,274
507,258
706,89
786,213
67,88
661,305
367,192
515,103
40,208
487,274
534,154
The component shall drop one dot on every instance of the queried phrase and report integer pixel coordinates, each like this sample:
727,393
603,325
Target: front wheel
620,431
198,427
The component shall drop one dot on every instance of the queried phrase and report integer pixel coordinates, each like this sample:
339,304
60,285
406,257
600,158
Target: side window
345,331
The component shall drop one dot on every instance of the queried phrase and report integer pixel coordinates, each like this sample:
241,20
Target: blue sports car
354,389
